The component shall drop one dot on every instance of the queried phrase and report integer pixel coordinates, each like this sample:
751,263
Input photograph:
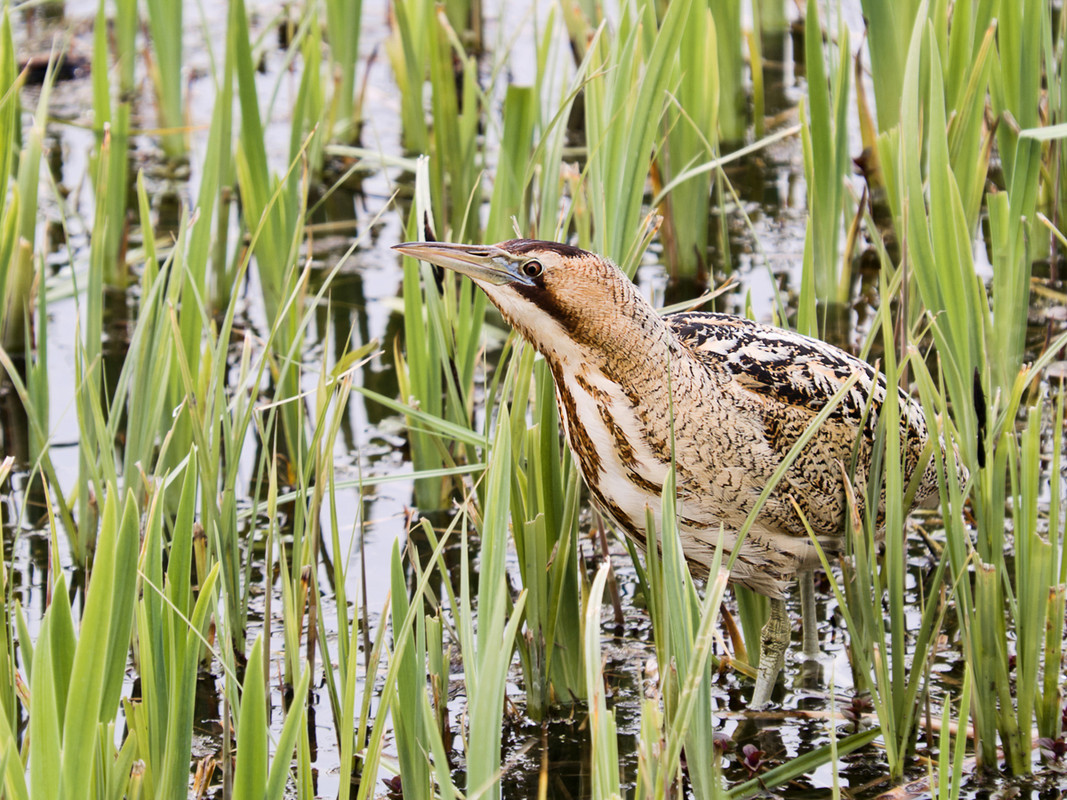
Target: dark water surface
765,249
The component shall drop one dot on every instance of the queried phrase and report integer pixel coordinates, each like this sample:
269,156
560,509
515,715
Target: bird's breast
614,440
621,433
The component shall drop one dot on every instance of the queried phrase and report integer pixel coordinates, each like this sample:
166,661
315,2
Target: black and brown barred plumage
740,394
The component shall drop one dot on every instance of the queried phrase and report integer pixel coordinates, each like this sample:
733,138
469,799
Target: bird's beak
481,262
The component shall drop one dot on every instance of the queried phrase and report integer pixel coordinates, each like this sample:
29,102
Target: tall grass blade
20,225
602,730
165,26
276,215
1015,89
411,729
732,113
826,160
343,26
692,123
442,326
624,101
891,25
1049,722
100,656
545,499
250,774
487,654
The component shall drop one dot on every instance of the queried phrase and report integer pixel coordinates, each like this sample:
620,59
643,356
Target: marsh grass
444,319
159,517
692,123
603,732
164,25
733,100
882,644
975,362
112,109
631,71
344,22
682,625
827,273
22,155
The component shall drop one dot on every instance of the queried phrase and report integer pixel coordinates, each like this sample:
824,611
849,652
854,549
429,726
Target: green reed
15,260
344,23
411,728
603,733
456,108
406,49
205,243
8,667
487,652
165,27
442,326
274,209
112,109
21,154
947,781
1016,85
970,146
75,677
1036,570
23,316
520,118
827,274
981,353
1011,216
732,112
1055,74
255,774
692,123
171,625
425,46
1049,696
10,109
682,626
310,128
408,674
545,503
630,73
890,25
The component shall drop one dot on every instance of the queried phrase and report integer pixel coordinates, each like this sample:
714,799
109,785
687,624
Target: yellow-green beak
481,262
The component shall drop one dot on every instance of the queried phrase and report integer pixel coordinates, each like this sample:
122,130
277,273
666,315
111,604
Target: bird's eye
531,269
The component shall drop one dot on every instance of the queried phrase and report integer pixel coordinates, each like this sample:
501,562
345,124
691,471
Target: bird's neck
626,341
639,345
616,392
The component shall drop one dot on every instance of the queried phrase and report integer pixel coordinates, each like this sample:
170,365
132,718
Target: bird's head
549,292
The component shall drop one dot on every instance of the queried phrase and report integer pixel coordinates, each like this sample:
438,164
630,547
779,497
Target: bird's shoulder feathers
786,367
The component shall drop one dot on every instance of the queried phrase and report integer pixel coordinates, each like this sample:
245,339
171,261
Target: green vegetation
201,527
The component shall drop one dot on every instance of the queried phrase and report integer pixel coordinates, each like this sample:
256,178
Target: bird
719,397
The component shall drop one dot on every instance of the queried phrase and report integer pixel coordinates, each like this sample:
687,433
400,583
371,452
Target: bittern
734,395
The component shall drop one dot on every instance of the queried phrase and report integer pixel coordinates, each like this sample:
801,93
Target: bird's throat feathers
598,324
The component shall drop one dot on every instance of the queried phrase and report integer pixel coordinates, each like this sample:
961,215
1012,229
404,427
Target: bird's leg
774,638
806,580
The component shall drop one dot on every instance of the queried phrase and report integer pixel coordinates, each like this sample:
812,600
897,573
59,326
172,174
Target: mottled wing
791,378
785,367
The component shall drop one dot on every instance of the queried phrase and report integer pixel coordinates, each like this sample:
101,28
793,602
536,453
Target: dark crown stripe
523,246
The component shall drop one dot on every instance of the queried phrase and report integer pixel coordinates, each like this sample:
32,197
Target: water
766,237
